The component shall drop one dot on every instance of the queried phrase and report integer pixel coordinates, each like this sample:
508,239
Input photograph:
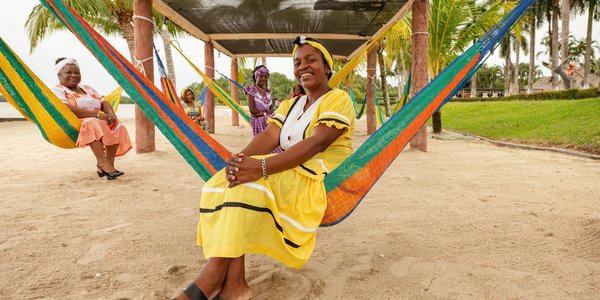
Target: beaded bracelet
263,164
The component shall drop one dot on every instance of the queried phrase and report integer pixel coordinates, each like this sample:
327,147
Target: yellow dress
277,216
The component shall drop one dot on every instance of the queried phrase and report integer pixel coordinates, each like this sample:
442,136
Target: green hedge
555,95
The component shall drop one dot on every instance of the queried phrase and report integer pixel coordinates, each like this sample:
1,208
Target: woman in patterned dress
272,204
100,129
193,110
260,103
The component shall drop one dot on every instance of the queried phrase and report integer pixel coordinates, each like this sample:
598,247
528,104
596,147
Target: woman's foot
240,291
106,167
210,281
194,292
109,175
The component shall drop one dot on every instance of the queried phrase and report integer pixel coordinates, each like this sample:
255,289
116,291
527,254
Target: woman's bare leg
235,286
111,152
101,160
210,281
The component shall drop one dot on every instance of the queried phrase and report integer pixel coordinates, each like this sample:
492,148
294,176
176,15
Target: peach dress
93,129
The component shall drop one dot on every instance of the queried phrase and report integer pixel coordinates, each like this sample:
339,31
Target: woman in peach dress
100,128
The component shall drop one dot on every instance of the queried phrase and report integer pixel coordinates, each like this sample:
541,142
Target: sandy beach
466,220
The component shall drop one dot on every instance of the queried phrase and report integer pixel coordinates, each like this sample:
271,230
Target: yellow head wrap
184,92
301,40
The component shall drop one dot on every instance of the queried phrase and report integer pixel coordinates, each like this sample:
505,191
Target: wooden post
420,47
209,70
371,68
235,117
142,40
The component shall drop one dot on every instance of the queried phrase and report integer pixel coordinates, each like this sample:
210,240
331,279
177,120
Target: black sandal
109,176
194,293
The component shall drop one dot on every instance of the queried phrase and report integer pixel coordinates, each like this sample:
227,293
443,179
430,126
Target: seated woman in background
259,99
272,204
193,110
297,92
100,128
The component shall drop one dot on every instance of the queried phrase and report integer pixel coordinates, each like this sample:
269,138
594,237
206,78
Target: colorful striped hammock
216,89
166,83
37,103
346,185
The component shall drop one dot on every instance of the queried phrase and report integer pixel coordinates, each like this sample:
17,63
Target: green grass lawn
565,123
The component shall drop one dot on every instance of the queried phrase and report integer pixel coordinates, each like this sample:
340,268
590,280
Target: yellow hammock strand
216,89
54,119
114,98
339,76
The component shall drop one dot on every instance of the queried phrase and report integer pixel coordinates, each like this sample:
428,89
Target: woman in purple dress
259,99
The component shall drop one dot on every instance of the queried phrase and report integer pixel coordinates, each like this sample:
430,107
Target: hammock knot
143,18
420,32
139,64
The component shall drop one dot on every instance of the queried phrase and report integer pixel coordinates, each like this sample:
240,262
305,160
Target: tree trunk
142,31
564,38
436,121
209,70
384,88
127,33
473,86
507,68
263,61
554,48
166,37
531,74
235,117
587,64
420,56
371,68
515,77
559,70
404,73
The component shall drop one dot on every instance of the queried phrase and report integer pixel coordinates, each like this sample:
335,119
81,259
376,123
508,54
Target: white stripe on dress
212,190
323,165
260,188
344,118
296,224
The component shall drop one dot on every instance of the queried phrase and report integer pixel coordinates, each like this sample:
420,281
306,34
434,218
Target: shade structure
250,28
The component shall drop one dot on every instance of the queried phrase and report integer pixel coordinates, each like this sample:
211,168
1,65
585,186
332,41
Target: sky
64,44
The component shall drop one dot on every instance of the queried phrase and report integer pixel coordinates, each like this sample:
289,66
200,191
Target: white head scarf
67,61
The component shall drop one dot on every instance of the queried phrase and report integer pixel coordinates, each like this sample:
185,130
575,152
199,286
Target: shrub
570,94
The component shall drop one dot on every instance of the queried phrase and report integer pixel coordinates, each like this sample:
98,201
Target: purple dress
263,104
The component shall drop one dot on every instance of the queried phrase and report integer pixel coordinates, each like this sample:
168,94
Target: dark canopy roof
267,27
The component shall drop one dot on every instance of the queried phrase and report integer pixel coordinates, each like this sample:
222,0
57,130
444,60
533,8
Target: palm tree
398,49
107,16
382,74
513,41
505,51
452,28
565,11
593,11
488,77
578,50
554,45
536,14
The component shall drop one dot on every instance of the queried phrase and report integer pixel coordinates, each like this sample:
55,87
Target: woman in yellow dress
272,204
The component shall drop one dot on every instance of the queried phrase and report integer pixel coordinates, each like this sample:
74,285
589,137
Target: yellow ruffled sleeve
336,110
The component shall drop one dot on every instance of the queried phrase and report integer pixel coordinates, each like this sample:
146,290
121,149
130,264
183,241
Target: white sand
465,220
